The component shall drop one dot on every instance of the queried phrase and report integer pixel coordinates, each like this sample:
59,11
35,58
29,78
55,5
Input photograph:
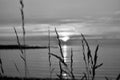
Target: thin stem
49,51
24,33
59,43
84,58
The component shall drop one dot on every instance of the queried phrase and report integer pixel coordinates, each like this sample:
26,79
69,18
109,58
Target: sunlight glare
65,52
65,38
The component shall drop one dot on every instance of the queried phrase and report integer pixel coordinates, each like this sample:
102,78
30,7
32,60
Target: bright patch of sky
68,29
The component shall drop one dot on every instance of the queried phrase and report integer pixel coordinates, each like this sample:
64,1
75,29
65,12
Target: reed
49,55
84,58
24,33
59,43
1,68
61,59
62,64
20,48
84,77
17,68
61,71
90,61
118,77
71,65
18,42
23,51
106,78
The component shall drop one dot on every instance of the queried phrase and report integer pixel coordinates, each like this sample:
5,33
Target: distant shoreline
22,47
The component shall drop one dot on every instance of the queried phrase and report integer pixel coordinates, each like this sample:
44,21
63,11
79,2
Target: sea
38,63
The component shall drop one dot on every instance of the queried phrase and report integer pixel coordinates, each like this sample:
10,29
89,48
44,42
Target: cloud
67,29
71,20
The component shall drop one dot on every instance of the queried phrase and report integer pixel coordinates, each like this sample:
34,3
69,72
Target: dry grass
24,33
71,65
1,68
63,66
90,61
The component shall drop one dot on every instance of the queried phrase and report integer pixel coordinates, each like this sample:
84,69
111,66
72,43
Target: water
37,59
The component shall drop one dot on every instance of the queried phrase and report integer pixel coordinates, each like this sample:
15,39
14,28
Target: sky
70,17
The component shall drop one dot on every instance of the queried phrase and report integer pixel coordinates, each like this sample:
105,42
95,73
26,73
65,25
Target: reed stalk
20,48
118,77
1,67
24,40
61,59
71,65
91,63
49,56
84,58
84,77
17,68
49,49
59,43
106,78
62,65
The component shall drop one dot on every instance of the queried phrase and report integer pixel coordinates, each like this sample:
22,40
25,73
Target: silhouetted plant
59,43
106,78
71,65
118,77
24,33
62,65
90,62
84,77
49,55
1,68
17,68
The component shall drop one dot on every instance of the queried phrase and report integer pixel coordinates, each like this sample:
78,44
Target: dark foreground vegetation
89,59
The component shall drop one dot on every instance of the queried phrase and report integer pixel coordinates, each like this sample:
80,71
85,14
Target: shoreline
22,47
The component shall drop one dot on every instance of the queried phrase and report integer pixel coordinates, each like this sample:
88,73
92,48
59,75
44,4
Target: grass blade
17,68
99,65
83,50
60,59
59,43
18,41
71,65
1,67
118,77
49,50
106,78
61,71
84,77
88,49
95,56
23,28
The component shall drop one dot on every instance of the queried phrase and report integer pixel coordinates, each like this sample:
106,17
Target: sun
65,38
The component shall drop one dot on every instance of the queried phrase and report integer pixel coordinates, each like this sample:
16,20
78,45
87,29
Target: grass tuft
91,64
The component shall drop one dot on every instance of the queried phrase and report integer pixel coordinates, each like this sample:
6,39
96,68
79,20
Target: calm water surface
37,59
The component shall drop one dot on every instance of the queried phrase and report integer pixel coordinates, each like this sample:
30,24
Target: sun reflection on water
65,52
65,38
